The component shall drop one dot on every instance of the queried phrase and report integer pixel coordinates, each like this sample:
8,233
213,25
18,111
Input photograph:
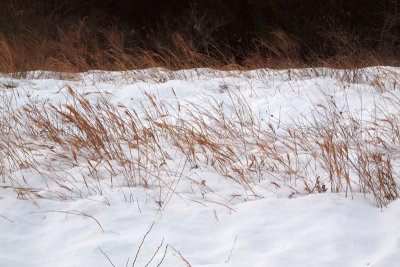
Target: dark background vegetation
241,32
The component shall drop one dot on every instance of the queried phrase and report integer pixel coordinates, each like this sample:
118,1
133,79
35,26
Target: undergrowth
80,47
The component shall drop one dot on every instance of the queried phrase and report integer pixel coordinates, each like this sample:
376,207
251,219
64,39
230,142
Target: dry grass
80,48
113,145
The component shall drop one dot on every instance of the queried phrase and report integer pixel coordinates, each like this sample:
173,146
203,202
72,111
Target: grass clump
154,146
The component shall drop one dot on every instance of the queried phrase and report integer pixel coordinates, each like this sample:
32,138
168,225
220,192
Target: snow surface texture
228,227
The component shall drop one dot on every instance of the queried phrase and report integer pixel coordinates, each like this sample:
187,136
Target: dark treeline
318,28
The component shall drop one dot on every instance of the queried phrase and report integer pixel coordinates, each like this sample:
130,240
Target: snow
227,226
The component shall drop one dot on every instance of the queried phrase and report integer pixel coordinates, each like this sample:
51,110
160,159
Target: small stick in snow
140,246
73,212
5,218
162,259
137,202
230,253
106,256
155,253
181,257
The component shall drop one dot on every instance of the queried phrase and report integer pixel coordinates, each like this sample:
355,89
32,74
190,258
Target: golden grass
80,48
112,145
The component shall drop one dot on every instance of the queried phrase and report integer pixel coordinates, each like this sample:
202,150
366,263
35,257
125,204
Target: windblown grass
112,145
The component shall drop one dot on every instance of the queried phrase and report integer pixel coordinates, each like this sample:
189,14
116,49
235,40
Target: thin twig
7,219
137,202
73,212
162,259
181,257
155,253
140,246
106,256
230,253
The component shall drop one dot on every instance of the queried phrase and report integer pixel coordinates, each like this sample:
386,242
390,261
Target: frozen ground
225,226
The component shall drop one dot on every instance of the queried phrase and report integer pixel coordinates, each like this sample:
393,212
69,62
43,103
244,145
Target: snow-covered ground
275,223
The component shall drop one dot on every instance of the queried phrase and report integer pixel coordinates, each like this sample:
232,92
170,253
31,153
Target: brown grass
112,142
81,47
112,145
